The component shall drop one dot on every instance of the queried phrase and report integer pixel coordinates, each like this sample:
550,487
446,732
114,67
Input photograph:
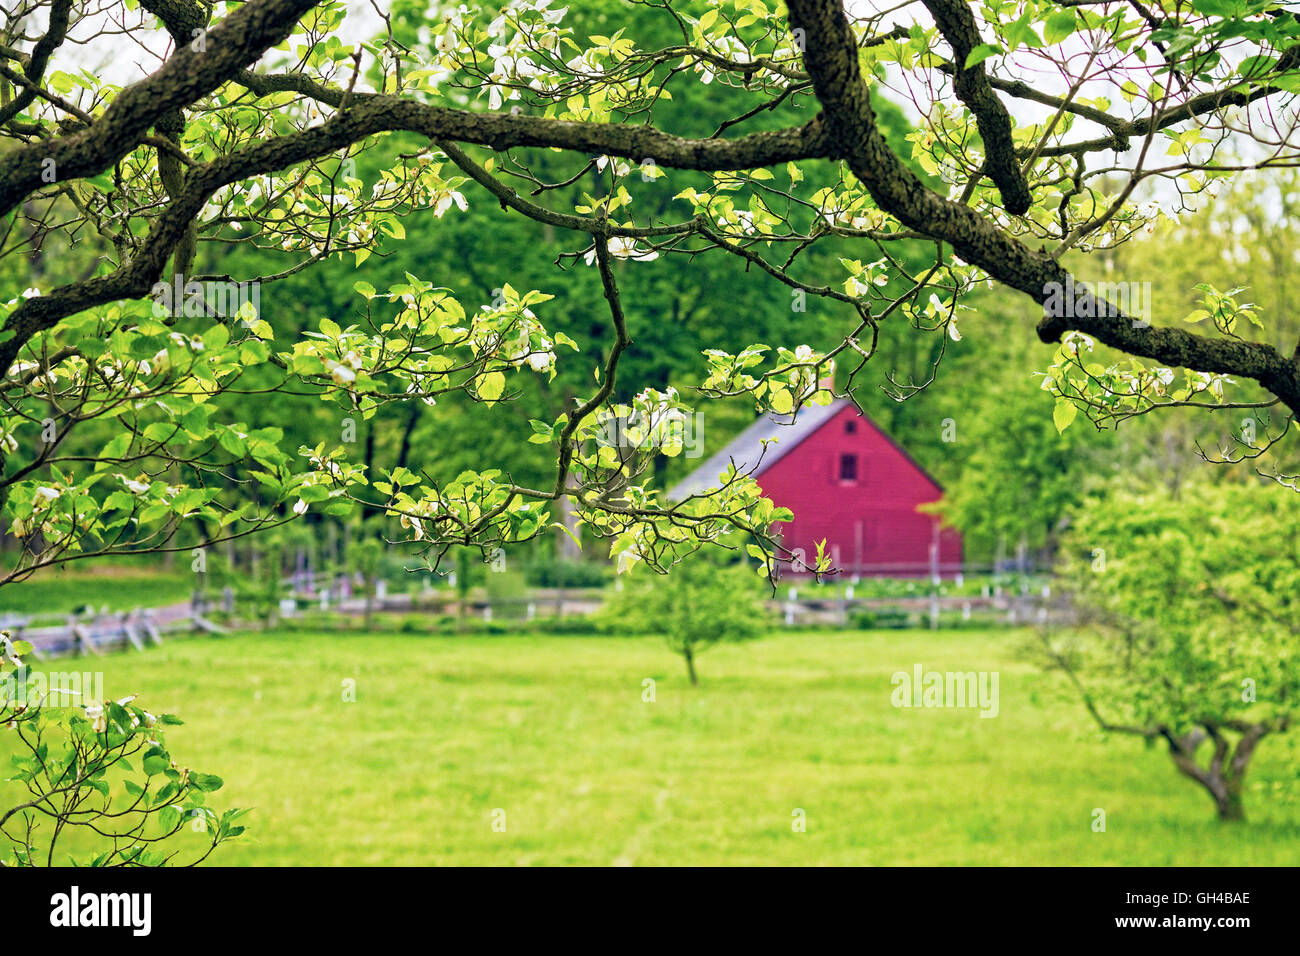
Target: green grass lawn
553,731
55,591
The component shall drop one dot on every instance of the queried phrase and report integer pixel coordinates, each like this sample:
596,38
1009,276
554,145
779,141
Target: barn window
848,467
850,427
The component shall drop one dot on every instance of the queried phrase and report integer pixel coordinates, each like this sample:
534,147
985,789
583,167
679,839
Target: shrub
507,593
875,619
558,573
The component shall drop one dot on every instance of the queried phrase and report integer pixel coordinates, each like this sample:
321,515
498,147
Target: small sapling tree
699,604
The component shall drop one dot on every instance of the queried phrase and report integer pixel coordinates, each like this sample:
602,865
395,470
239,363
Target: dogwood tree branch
855,137
957,24
40,57
846,130
364,116
188,75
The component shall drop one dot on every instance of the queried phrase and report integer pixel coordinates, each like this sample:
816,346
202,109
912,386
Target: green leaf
206,782
1058,26
92,348
1064,413
567,531
980,54
492,386
782,401
155,764
216,337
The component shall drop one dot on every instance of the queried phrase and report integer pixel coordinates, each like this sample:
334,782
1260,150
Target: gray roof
747,450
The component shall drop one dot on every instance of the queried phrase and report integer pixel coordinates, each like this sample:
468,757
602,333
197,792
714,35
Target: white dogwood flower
445,201
135,487
7,654
340,373
95,714
627,561
46,495
620,247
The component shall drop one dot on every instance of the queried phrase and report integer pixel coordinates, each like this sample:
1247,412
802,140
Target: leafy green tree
1189,610
1019,477
702,604
367,557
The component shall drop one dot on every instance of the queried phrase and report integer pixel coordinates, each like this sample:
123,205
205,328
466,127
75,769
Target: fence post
129,628
82,637
150,626
935,581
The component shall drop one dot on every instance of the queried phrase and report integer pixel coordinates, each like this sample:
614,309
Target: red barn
847,482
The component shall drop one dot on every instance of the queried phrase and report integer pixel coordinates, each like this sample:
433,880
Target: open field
553,730
120,588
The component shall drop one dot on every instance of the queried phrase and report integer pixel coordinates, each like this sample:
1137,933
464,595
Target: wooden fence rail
95,633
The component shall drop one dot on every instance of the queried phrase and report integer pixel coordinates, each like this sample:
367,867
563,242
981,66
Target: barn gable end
847,482
746,450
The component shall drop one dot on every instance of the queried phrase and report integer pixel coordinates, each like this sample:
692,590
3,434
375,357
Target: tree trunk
568,550
370,601
404,451
690,665
1225,776
1229,806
